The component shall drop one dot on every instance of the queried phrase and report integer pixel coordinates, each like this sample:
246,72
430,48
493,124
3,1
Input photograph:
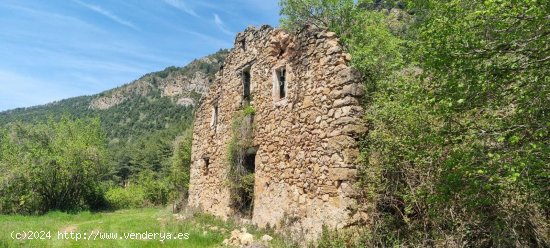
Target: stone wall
306,142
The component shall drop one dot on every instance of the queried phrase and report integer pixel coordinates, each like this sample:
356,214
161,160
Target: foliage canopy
458,110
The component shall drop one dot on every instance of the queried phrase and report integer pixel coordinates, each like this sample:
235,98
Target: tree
364,34
52,165
181,165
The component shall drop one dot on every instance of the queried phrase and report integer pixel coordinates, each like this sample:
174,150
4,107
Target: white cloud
221,25
106,13
181,6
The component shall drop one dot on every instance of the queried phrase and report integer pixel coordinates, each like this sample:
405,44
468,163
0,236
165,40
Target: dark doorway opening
247,193
249,162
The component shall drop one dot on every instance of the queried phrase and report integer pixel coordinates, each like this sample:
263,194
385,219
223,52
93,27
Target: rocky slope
181,85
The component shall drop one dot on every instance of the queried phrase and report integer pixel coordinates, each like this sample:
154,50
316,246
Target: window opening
246,85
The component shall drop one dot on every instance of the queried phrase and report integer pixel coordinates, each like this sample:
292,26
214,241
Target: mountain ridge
181,85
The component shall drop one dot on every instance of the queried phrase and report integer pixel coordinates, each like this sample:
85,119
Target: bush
16,196
56,165
95,197
332,238
146,190
119,198
155,190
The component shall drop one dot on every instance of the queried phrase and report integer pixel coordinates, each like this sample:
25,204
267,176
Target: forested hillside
141,119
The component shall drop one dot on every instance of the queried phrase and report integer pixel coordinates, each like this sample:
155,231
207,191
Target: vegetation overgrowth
458,152
241,178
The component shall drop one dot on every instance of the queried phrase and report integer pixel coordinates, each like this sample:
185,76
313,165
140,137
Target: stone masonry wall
306,158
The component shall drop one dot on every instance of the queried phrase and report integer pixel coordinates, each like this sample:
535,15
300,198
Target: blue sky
55,49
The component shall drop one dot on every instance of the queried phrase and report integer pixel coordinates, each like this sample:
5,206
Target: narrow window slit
206,161
246,85
282,82
214,121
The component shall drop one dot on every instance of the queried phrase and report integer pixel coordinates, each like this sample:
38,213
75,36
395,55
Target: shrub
146,190
119,198
248,110
95,197
56,165
16,196
332,238
155,190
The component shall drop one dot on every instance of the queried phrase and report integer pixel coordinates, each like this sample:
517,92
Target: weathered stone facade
305,131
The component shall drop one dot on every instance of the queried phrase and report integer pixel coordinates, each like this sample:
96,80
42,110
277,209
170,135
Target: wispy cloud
47,17
218,42
181,6
213,40
56,50
98,9
221,25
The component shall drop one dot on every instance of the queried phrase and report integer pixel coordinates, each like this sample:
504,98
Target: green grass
200,228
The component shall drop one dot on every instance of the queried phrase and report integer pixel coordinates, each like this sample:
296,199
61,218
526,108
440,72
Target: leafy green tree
52,165
154,187
16,195
336,15
181,165
365,34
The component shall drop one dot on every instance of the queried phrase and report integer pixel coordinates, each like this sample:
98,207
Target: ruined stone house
305,128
